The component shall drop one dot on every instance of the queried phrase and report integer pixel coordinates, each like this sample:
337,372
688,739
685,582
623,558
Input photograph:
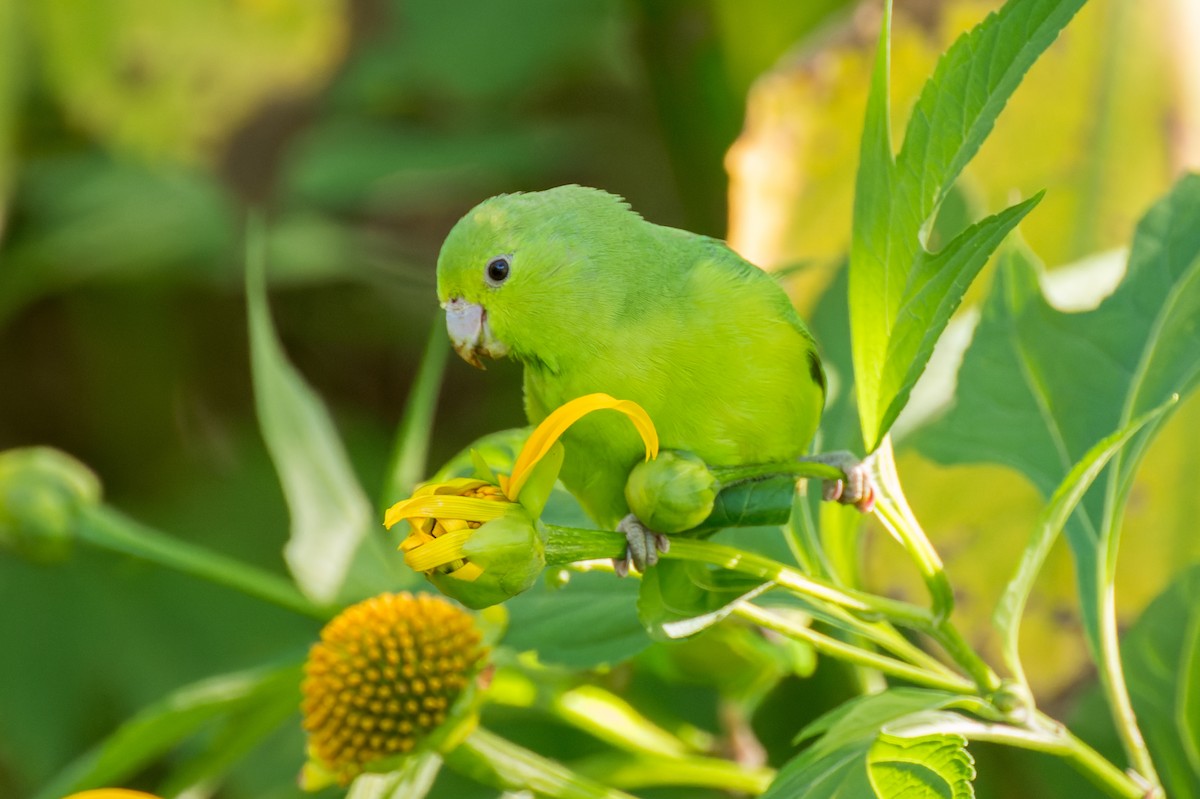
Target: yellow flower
482,530
383,678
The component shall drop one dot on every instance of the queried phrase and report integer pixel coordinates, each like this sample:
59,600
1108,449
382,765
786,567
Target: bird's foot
643,546
857,489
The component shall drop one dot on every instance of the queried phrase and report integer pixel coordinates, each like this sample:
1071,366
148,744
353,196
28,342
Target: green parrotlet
590,297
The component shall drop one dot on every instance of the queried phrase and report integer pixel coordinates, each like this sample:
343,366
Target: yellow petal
471,509
468,572
456,485
438,552
554,425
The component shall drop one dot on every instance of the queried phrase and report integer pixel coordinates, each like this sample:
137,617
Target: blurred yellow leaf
174,79
11,73
1103,121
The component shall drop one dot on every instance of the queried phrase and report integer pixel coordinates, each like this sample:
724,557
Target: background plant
165,417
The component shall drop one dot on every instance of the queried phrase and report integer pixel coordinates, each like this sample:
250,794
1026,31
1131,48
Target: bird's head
522,271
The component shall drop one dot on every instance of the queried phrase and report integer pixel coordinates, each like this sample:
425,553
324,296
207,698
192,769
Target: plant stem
1112,681
734,559
500,763
828,645
1050,737
808,469
1110,669
108,529
892,508
570,544
693,772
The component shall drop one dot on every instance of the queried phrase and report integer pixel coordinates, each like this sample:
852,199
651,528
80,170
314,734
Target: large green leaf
856,754
1039,387
160,727
1162,662
331,517
1051,522
901,296
588,621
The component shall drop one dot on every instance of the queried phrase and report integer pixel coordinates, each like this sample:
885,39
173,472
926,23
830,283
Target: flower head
383,678
477,538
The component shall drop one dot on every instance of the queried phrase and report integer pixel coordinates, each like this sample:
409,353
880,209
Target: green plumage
599,300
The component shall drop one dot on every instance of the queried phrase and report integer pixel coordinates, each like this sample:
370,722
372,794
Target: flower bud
41,491
510,554
673,493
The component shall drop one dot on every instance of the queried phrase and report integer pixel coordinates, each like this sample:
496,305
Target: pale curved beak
466,322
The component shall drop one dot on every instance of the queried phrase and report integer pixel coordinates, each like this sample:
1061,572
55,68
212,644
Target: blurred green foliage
136,136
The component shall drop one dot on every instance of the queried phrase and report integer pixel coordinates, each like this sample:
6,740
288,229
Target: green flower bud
41,492
672,493
509,553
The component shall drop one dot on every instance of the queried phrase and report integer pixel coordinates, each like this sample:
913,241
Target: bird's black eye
497,270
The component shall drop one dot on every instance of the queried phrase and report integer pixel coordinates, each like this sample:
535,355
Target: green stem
570,544
807,469
487,758
1054,739
108,529
1109,668
849,653
892,508
737,560
692,772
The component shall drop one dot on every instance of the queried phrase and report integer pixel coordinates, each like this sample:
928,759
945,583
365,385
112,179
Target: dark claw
643,546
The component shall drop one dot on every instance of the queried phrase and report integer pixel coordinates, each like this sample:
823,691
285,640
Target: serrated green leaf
836,764
160,727
1038,387
330,513
935,289
1162,665
895,200
930,767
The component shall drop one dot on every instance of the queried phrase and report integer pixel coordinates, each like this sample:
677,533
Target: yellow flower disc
383,676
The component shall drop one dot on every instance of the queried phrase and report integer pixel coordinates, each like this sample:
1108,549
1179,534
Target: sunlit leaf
836,764
896,198
174,79
1038,387
929,767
